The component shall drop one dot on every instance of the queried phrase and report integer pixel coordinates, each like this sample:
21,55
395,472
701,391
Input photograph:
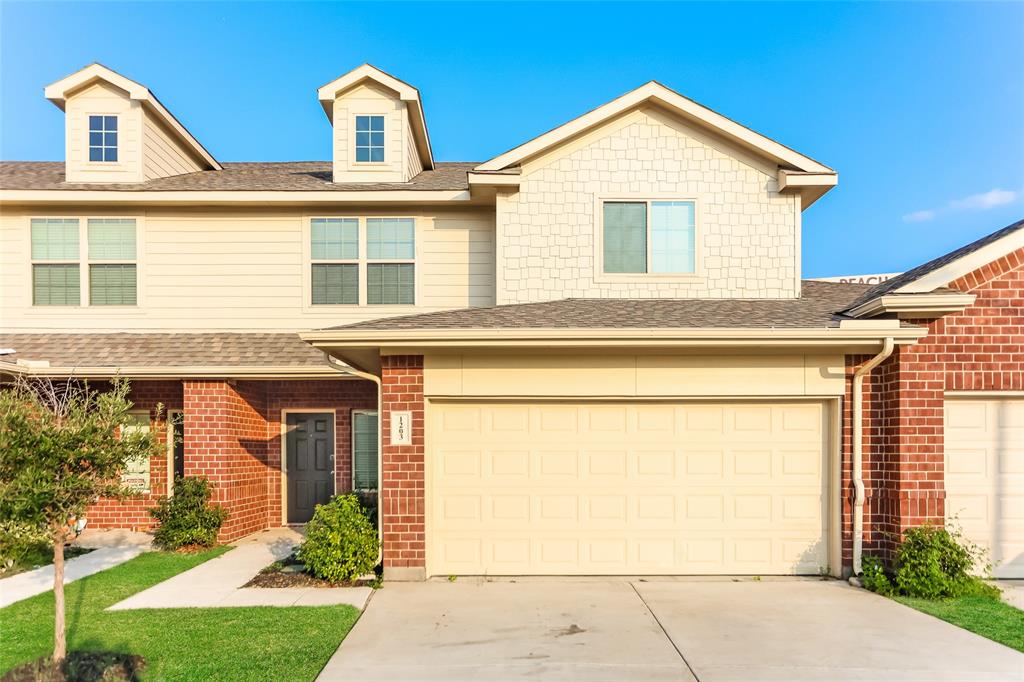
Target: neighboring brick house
592,354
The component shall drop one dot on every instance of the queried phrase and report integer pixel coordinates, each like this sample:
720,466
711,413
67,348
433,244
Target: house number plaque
401,428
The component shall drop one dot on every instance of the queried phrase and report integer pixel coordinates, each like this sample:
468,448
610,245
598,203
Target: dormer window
369,139
103,138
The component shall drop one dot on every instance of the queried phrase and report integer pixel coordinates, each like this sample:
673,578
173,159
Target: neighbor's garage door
985,477
633,488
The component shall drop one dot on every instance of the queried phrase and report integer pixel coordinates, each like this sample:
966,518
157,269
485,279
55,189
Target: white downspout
347,369
858,450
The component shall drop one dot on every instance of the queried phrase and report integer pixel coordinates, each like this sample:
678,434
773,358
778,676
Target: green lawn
258,643
989,618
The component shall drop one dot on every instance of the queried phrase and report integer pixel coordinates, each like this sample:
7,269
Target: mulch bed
80,666
284,574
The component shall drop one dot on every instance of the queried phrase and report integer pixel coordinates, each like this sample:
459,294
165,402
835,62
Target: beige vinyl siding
107,100
370,99
209,269
162,156
413,166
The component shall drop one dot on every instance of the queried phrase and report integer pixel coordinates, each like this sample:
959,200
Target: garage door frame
833,469
953,514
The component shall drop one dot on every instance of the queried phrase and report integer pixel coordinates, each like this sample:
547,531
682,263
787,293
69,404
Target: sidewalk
114,548
218,582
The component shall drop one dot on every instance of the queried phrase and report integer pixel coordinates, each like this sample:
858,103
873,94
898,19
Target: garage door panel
658,488
985,477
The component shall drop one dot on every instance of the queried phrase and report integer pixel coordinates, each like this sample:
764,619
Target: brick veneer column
226,441
402,493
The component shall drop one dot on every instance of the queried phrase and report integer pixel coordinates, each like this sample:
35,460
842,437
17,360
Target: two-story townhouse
592,354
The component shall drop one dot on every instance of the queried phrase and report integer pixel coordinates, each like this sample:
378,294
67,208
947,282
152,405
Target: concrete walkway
218,582
113,549
793,630
1013,592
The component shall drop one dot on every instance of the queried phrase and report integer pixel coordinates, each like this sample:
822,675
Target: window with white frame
334,249
363,260
390,256
654,237
110,268
56,271
369,139
103,138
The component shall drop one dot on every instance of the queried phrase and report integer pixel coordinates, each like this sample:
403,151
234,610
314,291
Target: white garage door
985,477
634,488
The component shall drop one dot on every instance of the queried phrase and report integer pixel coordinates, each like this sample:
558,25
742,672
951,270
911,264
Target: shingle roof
285,176
891,285
215,349
815,308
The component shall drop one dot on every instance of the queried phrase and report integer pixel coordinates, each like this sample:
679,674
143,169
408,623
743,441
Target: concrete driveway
707,630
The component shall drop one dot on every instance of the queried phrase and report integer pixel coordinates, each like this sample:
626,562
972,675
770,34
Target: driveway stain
571,630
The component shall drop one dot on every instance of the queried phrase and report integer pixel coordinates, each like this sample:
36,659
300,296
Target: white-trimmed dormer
117,131
380,134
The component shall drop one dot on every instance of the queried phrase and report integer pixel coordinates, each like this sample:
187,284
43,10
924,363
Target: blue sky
920,107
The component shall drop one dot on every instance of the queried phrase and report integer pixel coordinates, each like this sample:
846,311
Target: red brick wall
402,496
158,397
981,349
341,396
233,437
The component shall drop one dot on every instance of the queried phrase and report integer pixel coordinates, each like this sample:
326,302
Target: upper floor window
392,241
103,138
334,249
112,267
56,273
657,237
369,139
344,272
109,270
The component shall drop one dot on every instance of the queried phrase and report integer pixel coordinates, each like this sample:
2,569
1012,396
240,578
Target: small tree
62,447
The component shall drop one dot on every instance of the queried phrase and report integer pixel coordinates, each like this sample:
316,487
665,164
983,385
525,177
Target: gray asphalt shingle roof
817,307
920,271
214,349
285,176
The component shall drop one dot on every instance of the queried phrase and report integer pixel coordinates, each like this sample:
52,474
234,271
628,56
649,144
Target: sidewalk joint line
667,636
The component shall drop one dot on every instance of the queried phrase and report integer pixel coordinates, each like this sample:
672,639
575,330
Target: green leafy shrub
341,542
18,541
187,518
931,563
874,578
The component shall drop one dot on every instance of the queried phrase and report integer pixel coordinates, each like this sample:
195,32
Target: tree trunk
60,645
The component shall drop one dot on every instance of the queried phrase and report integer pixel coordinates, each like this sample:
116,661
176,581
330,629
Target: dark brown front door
309,463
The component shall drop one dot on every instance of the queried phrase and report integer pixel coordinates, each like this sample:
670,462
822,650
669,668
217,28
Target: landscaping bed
290,572
80,666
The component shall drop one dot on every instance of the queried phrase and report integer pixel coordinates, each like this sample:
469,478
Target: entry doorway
309,463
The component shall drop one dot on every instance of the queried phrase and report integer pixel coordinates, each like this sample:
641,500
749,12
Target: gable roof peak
329,92
59,91
664,96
